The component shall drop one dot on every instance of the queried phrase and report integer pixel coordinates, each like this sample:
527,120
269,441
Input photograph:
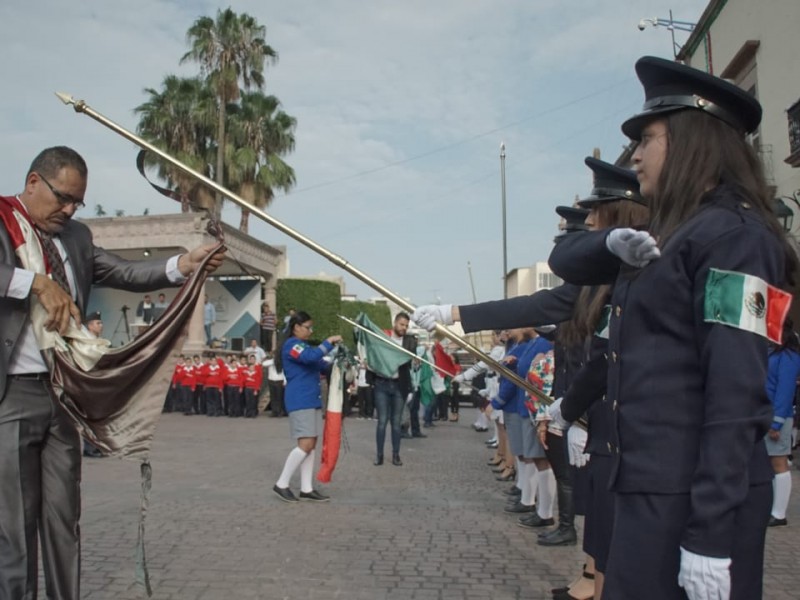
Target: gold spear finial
67,99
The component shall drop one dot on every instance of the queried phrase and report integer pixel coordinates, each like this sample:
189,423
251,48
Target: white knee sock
533,481
517,481
782,488
293,461
523,483
547,493
306,469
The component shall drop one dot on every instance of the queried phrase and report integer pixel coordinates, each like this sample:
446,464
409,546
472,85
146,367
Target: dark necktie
57,269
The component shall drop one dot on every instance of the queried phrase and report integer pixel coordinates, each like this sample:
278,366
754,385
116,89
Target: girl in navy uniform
695,299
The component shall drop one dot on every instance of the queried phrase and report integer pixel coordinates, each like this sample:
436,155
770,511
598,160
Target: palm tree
231,50
179,119
260,133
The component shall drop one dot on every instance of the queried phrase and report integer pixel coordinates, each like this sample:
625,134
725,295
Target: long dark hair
591,300
705,152
298,318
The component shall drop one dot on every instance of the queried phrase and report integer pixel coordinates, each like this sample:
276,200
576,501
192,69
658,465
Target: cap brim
633,126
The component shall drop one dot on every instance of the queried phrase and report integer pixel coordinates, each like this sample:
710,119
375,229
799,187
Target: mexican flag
382,355
746,302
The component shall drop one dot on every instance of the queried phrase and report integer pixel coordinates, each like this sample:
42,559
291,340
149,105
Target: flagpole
80,106
398,347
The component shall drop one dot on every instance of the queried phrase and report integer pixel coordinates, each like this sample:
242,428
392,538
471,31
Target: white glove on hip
637,248
576,442
428,315
459,378
554,415
704,577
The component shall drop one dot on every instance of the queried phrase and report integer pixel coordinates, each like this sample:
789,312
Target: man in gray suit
40,449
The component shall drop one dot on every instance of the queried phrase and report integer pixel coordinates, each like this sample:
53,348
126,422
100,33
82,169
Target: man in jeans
391,393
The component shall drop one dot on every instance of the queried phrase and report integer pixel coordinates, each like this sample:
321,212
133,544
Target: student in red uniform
199,398
252,386
232,375
213,382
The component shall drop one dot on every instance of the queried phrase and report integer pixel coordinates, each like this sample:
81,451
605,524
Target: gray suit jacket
90,265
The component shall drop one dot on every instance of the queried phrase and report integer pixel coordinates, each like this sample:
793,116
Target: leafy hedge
322,300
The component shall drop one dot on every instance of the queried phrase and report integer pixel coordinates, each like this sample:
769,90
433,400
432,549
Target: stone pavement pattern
432,529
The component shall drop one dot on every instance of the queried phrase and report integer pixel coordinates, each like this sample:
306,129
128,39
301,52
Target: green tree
99,211
260,133
231,51
179,119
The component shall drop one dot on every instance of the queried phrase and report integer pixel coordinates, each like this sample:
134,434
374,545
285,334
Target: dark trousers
389,402
644,557
413,409
276,399
455,396
266,339
233,401
442,400
186,395
250,403
365,402
213,402
199,400
40,464
169,400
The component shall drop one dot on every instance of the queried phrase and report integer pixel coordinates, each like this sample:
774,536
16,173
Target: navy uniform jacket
690,408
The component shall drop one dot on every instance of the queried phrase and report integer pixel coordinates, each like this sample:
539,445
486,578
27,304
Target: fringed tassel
142,574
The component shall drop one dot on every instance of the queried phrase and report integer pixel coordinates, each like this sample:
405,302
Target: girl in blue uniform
302,364
782,374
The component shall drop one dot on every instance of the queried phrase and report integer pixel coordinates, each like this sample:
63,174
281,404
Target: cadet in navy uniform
686,370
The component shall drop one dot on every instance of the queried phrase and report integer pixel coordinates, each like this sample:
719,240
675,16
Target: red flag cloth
444,361
332,433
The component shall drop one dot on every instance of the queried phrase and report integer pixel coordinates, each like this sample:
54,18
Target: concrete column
196,341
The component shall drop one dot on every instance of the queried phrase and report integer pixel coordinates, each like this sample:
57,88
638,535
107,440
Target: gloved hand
554,415
484,393
409,398
576,442
637,248
459,378
704,577
428,315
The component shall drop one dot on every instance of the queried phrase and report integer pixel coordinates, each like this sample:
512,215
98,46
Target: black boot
564,534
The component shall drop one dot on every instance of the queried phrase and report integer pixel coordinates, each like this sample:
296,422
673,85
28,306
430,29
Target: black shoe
510,477
773,522
518,507
396,460
284,494
513,491
314,495
405,435
563,535
378,460
418,434
533,521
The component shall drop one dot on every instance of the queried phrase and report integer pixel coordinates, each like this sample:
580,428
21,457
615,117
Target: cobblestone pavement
431,529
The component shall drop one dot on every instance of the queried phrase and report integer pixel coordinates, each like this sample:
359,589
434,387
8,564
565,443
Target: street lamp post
670,24
503,200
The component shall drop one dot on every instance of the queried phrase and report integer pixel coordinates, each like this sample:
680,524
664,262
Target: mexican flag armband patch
296,350
745,302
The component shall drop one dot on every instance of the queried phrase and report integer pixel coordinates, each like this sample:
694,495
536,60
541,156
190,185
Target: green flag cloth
382,355
426,394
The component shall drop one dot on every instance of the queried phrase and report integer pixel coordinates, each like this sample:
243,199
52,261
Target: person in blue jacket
302,364
782,373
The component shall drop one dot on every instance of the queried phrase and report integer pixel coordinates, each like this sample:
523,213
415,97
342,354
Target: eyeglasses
63,198
309,327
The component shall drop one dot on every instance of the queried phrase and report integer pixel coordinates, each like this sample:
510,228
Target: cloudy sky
401,109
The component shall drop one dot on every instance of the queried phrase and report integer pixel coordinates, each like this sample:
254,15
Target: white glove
484,393
459,378
637,248
554,416
409,398
428,315
704,577
576,442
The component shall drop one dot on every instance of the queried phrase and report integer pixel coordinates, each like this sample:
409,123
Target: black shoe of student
396,460
378,460
518,507
405,435
773,522
563,535
284,494
418,434
314,495
513,491
533,521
